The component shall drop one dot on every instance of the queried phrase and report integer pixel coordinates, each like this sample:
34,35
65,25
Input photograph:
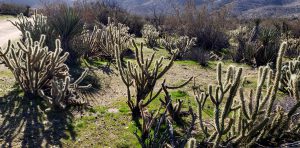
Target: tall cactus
33,65
143,76
223,107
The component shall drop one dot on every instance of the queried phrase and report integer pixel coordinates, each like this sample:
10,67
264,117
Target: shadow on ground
24,124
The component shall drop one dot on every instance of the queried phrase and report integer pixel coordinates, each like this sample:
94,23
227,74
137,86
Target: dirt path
8,31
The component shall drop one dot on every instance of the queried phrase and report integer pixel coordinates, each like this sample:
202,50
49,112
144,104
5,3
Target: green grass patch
187,62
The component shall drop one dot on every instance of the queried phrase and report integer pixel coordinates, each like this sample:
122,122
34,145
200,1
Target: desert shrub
38,70
269,39
199,55
67,24
150,35
106,9
258,46
209,27
37,26
13,9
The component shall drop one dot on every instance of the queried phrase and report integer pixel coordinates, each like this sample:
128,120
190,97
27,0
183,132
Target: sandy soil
8,31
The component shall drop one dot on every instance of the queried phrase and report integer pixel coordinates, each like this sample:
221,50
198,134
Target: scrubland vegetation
94,75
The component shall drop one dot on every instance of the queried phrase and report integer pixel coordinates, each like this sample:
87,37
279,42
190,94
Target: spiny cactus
33,65
151,35
174,110
245,120
37,26
223,107
103,40
192,143
289,69
293,49
63,92
183,44
143,76
39,71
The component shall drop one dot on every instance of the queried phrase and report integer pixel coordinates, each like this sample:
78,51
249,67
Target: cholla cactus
33,65
102,41
184,44
289,69
223,107
143,76
192,143
169,43
151,35
293,48
38,70
37,26
63,92
242,120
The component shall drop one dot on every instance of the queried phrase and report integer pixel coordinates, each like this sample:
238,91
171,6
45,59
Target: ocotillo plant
33,65
151,35
143,76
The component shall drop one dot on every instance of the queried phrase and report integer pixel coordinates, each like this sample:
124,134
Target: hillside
241,8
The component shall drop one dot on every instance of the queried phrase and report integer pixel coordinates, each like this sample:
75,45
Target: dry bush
109,9
208,27
13,9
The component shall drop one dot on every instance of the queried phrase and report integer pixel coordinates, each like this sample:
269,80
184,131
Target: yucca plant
67,23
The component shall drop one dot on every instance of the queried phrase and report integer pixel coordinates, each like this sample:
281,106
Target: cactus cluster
183,44
239,120
36,69
257,47
293,48
288,70
102,41
143,76
151,35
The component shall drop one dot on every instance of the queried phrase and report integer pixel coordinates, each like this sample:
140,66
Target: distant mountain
242,8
